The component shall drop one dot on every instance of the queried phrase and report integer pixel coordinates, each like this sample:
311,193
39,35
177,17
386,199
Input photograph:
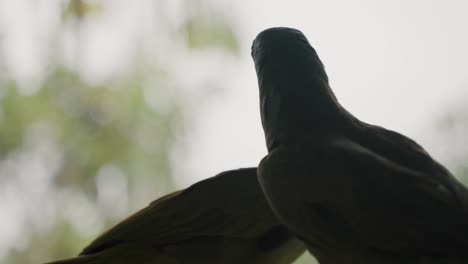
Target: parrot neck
301,111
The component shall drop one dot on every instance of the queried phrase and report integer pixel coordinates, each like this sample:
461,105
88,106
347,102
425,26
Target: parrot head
295,96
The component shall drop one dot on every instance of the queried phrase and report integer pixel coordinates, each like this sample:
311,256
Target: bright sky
393,63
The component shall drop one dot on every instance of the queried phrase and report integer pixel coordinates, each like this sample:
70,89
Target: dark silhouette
353,192
224,219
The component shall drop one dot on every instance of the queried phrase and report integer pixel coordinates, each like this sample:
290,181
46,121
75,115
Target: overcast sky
398,64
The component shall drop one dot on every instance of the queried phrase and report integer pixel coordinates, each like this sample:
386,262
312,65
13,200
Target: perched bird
223,219
353,192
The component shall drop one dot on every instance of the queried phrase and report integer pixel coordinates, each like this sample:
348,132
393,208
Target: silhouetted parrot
223,219
353,192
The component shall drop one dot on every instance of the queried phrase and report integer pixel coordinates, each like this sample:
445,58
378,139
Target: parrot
353,192
222,219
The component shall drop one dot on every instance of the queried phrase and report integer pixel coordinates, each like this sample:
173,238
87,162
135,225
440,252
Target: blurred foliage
60,143
79,9
94,126
306,258
452,130
213,31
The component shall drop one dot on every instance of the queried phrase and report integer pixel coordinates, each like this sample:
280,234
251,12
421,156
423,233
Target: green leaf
204,32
